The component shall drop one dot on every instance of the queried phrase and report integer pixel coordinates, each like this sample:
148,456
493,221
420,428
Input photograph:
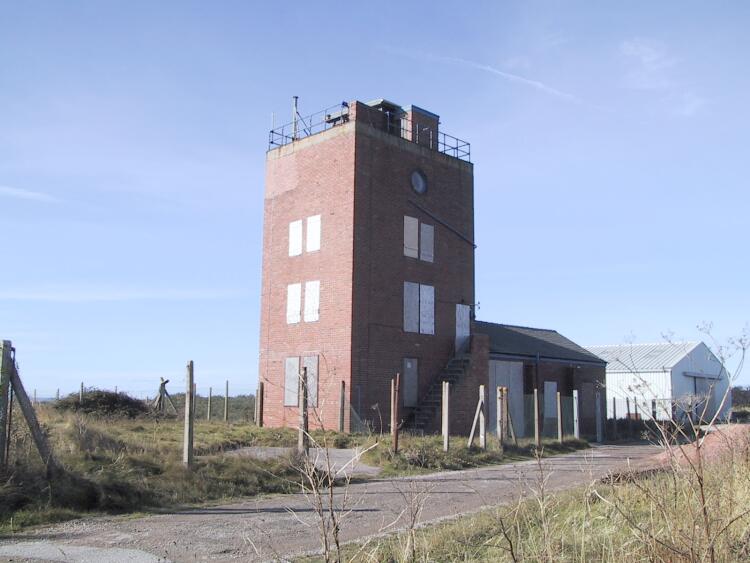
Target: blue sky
610,146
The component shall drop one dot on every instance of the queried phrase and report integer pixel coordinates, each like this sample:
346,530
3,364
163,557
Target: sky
610,143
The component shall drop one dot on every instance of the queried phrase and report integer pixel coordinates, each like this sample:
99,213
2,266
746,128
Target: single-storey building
664,380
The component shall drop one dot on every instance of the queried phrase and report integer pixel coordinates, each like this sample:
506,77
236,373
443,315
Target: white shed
669,377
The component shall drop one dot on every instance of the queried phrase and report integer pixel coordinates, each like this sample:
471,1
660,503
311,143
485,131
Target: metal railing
398,125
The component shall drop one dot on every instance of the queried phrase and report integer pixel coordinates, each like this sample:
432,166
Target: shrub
103,403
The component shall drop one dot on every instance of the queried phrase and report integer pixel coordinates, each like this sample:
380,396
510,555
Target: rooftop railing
392,123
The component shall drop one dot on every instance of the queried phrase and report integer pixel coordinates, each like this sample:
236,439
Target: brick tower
368,262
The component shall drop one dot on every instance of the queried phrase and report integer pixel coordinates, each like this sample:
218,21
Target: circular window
419,181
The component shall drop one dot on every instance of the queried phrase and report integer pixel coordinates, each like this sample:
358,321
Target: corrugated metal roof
643,357
525,341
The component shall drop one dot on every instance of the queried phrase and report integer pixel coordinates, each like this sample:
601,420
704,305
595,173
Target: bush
103,403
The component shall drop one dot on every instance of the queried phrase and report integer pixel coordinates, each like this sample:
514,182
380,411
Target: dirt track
281,526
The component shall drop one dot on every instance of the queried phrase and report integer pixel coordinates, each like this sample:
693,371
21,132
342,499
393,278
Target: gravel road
282,526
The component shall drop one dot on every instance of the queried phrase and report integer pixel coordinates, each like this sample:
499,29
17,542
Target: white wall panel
426,309
293,303
427,242
295,238
411,382
411,236
311,363
411,307
312,301
312,241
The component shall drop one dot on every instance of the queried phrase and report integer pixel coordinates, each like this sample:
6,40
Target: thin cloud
28,195
510,77
78,294
650,64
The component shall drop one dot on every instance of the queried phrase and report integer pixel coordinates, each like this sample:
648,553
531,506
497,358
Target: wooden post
187,450
302,434
208,407
6,367
342,406
27,409
226,401
537,439
482,421
499,416
614,418
576,429
57,395
9,433
445,414
559,418
35,403
653,409
259,402
116,393
629,419
195,398
395,411
80,395
599,428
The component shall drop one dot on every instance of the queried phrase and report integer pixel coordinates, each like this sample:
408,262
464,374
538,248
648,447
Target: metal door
463,330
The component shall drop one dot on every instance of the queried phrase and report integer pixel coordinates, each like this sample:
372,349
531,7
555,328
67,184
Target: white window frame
421,297
293,303
295,238
312,240
312,301
291,381
411,237
426,242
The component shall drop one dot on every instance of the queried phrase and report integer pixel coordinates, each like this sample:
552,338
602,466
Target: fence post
499,419
226,401
537,440
302,443
342,405
629,419
559,418
653,409
208,407
576,430
259,403
6,362
599,428
187,449
614,418
57,395
35,403
446,415
394,428
482,422
80,395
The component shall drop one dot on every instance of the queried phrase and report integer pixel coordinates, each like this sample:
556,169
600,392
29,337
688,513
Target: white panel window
426,309
311,363
312,301
427,242
291,382
411,382
411,307
411,237
295,238
293,303
313,233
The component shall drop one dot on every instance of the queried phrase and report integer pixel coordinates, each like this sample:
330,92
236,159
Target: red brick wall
309,177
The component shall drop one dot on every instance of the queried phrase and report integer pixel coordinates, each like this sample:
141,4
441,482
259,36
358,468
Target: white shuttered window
312,301
293,303
426,309
295,238
311,363
291,382
427,242
313,233
411,307
411,237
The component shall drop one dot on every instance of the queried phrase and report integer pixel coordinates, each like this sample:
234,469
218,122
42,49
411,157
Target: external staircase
428,408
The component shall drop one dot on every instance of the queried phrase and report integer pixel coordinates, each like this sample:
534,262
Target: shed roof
549,344
641,358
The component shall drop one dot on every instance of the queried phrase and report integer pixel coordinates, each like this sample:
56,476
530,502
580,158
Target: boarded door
411,382
510,375
463,320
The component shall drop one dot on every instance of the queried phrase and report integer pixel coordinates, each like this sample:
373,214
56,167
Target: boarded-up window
291,382
411,236
427,242
426,309
411,307
312,301
295,238
313,233
293,303
311,363
411,382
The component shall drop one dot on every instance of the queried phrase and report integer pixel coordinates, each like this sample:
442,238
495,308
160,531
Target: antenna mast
294,117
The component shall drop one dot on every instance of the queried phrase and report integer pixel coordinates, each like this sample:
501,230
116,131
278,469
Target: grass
651,516
116,464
